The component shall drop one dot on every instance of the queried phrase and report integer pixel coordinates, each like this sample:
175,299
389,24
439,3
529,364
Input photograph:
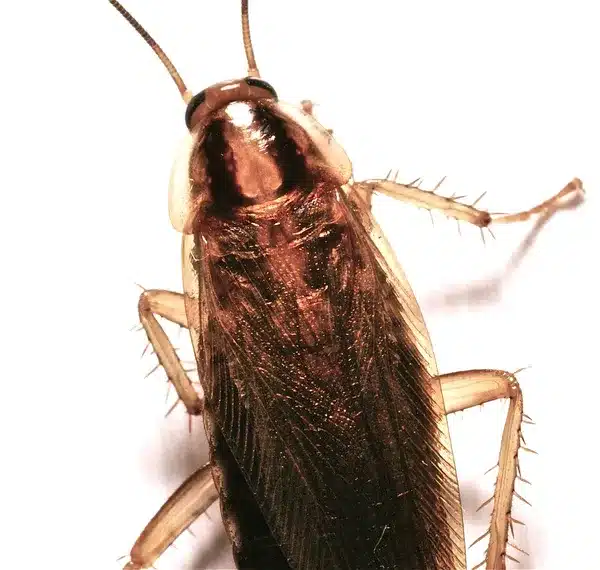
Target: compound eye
255,82
195,102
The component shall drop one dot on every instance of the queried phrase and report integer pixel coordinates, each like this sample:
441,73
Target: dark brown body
324,435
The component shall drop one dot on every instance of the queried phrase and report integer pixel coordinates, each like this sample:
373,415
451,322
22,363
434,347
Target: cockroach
321,399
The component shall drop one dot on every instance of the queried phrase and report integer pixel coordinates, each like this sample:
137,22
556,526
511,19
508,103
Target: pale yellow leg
184,506
462,212
170,306
470,388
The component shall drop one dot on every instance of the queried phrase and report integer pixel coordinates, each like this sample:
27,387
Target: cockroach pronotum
321,399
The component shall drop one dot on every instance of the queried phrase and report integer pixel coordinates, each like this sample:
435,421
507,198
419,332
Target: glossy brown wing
418,334
320,407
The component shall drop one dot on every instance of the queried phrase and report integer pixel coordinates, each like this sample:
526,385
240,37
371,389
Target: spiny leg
198,492
463,212
470,388
183,507
171,306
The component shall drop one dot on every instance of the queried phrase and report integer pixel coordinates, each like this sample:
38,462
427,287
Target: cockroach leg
170,306
364,193
184,506
463,212
361,196
470,388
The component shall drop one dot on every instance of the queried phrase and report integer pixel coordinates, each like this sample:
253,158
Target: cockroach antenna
252,68
186,94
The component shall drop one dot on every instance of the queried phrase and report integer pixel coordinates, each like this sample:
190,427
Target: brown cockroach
321,399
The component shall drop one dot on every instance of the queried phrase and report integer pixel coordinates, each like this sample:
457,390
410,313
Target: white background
498,96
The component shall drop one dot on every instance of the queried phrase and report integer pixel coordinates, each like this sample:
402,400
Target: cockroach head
246,149
217,96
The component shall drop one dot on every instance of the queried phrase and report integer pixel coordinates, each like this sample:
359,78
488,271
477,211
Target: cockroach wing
418,335
328,438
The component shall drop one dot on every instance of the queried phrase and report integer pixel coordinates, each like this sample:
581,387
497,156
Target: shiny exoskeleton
325,437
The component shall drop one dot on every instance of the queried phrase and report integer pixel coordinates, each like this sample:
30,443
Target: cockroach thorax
247,149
